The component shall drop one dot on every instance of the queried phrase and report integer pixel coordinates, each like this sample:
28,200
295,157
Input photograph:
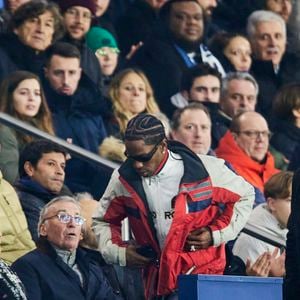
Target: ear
185,95
164,146
234,135
29,169
271,205
79,71
43,230
173,135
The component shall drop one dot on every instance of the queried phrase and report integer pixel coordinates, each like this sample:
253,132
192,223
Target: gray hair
237,76
46,208
259,16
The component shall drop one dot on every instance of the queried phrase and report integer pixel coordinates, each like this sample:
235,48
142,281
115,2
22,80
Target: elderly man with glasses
245,147
171,197
59,268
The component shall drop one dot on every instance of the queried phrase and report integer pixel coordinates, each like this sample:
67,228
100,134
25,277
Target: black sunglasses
143,157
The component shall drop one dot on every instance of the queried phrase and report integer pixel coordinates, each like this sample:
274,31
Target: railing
105,164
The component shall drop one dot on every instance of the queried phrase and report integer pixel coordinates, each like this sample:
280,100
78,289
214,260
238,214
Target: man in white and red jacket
182,209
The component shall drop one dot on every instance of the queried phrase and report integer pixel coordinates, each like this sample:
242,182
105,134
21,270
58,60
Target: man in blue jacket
77,109
59,268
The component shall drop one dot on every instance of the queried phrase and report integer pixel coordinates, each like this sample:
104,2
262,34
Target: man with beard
177,47
77,17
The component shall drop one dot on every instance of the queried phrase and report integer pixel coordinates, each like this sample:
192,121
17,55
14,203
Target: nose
214,3
66,79
79,18
31,96
243,102
208,94
197,131
272,40
245,57
59,170
137,165
40,26
285,4
135,91
71,223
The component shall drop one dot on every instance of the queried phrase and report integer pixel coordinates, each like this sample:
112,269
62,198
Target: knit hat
65,4
144,127
98,37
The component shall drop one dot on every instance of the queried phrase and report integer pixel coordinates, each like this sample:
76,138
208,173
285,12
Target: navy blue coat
45,276
79,117
14,55
285,138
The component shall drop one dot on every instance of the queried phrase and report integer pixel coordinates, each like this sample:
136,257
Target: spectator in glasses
245,147
104,45
59,268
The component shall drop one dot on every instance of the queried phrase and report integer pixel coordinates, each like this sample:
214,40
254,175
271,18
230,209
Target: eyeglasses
73,12
105,52
143,157
66,218
254,134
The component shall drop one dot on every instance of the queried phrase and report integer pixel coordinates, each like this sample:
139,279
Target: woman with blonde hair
21,96
131,94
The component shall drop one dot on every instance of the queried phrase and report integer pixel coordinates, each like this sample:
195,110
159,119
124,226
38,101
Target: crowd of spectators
223,77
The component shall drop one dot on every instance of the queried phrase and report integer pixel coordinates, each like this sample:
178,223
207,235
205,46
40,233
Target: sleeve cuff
122,256
216,238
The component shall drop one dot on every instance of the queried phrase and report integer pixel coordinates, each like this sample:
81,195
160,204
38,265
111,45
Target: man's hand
199,239
134,49
261,267
133,259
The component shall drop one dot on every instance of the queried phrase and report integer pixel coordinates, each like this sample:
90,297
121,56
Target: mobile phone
147,251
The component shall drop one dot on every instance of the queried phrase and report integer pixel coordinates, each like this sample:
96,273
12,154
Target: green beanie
98,37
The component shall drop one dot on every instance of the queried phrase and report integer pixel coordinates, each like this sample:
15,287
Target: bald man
245,147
